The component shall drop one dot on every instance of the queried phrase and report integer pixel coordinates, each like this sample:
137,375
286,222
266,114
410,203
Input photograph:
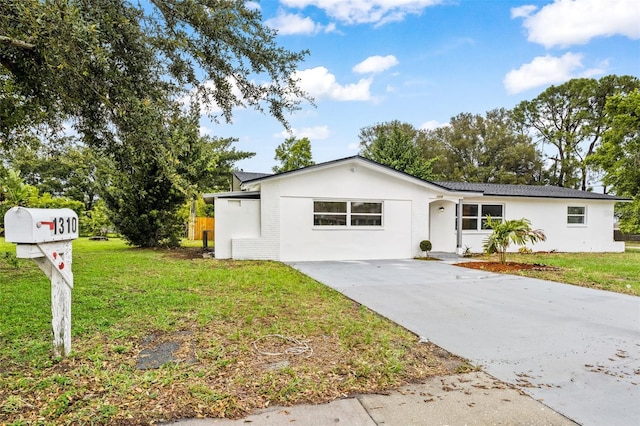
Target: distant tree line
574,135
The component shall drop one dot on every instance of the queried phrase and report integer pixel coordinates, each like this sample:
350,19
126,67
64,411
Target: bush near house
425,246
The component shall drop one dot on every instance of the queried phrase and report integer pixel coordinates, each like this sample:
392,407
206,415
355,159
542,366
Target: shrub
425,246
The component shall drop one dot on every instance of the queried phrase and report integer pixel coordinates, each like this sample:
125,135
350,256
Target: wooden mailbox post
45,236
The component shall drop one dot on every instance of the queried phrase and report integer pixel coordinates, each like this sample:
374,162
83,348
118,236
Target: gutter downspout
459,249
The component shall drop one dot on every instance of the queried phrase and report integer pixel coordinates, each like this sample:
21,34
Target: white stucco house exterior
355,209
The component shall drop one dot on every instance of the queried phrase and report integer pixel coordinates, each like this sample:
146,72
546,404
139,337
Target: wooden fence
620,236
204,224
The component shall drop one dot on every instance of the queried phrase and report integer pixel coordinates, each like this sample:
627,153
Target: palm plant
516,231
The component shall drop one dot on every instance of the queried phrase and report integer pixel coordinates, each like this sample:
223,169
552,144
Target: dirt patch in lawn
508,267
187,253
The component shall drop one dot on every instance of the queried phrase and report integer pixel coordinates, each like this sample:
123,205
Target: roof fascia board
230,194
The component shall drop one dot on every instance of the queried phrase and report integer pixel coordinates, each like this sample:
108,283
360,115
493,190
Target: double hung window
474,216
347,213
576,215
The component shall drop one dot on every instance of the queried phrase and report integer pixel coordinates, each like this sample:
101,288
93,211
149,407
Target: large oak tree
82,60
489,148
619,156
570,119
119,72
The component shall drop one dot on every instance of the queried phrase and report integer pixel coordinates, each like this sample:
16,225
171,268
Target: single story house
355,209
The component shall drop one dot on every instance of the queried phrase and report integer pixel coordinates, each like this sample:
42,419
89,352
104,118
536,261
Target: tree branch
16,43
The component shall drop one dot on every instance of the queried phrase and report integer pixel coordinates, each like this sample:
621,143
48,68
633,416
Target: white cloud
545,70
569,22
320,83
289,23
378,12
432,124
522,11
313,133
375,64
205,131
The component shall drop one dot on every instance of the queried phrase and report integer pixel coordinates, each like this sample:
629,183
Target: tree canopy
571,118
131,77
84,60
619,156
395,144
490,148
293,154
62,167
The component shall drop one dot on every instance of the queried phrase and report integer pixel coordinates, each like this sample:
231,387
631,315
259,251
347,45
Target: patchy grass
219,315
619,272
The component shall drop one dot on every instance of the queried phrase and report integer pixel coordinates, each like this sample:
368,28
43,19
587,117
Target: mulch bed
507,267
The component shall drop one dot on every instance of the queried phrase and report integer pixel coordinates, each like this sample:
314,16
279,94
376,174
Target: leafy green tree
517,231
83,60
395,144
161,167
293,154
145,191
15,192
205,162
98,223
619,156
62,167
571,118
490,148
118,70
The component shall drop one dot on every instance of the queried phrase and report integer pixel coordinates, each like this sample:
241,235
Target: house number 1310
65,225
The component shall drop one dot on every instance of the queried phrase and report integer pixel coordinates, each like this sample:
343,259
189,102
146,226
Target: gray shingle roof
246,176
488,189
505,190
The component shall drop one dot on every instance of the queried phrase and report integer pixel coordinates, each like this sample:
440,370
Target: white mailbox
33,226
45,235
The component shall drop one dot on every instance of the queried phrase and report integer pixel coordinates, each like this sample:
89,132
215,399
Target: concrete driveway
575,349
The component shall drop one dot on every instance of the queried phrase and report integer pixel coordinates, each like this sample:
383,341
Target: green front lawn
619,272
127,300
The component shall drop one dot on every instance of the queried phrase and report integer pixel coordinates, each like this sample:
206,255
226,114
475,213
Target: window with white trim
474,216
347,213
576,215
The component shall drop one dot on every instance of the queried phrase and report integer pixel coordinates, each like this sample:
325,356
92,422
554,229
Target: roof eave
208,198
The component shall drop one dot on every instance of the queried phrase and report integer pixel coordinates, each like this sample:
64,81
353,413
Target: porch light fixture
441,209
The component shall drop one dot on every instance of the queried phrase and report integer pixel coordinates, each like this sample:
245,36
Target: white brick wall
267,246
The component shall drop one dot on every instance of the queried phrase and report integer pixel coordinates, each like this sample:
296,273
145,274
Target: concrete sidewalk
462,399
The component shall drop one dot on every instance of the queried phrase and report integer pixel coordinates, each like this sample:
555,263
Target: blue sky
424,61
